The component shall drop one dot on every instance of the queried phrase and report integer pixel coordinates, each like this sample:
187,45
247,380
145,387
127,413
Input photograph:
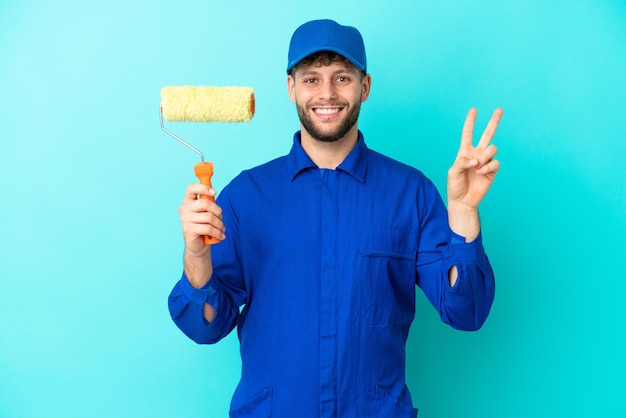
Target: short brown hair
323,58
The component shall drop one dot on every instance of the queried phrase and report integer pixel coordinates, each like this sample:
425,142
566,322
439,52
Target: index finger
195,189
468,128
490,130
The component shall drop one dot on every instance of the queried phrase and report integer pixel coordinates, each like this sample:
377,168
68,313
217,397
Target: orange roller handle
204,172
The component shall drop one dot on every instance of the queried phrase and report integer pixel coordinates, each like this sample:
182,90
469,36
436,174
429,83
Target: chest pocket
387,276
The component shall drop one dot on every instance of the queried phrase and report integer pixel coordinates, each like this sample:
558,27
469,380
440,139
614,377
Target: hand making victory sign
471,176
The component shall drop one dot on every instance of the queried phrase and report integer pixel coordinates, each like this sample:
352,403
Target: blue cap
327,35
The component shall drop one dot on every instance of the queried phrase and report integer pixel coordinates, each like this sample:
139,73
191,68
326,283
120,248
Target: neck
329,154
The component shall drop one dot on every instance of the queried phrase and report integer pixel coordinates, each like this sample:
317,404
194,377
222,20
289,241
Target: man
323,248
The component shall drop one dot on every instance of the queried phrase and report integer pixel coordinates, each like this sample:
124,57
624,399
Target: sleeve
467,304
225,292
186,305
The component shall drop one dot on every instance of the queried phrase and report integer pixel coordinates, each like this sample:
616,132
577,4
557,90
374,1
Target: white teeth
326,110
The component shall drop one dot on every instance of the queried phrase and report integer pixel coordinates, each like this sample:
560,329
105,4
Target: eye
343,79
309,80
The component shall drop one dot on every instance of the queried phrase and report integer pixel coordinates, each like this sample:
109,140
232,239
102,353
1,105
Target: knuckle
182,210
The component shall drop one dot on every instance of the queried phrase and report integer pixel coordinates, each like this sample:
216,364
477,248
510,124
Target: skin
471,176
328,99
327,96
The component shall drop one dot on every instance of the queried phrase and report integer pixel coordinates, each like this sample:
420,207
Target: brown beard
345,126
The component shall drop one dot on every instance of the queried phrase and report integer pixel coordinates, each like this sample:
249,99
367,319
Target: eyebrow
337,72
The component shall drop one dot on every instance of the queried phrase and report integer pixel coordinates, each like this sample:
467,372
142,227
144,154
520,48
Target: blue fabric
318,274
326,35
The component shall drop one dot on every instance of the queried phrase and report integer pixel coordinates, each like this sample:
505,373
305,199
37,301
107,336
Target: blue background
90,242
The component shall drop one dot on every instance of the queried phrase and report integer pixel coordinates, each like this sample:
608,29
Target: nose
328,92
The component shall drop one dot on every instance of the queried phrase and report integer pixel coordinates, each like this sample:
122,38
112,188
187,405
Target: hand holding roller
205,104
204,172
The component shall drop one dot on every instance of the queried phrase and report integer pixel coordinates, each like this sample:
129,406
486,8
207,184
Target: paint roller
205,104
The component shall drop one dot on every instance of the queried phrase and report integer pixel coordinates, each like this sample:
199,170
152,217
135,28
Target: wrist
464,220
199,252
198,266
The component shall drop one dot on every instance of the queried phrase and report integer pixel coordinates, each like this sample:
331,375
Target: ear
291,88
366,86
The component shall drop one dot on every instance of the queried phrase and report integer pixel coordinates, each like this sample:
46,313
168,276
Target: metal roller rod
185,143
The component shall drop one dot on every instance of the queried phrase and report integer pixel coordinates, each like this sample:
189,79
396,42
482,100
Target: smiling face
328,93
